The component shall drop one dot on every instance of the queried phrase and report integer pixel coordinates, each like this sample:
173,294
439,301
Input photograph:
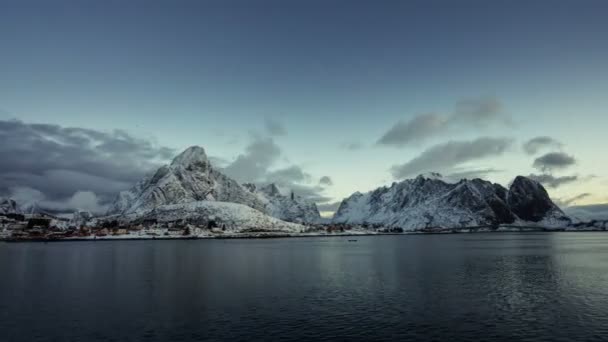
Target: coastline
280,235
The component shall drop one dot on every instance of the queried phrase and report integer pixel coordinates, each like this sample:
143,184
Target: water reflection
501,286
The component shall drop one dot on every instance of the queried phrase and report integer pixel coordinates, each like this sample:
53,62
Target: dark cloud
326,180
537,144
352,145
552,181
29,198
59,162
479,112
274,127
451,154
553,161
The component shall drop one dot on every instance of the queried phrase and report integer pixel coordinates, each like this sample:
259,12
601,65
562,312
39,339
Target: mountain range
191,189
431,202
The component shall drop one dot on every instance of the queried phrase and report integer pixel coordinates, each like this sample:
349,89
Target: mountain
9,206
288,208
189,178
431,202
232,217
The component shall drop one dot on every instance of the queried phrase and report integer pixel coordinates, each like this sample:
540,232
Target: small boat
352,240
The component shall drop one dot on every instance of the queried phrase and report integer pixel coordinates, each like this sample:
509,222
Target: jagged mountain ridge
430,202
189,178
291,208
9,206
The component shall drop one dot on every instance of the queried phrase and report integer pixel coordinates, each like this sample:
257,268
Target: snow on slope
9,206
189,178
287,208
215,214
431,202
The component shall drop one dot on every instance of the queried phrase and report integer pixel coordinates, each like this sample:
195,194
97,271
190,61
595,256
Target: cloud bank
480,112
553,181
537,144
446,156
59,163
553,161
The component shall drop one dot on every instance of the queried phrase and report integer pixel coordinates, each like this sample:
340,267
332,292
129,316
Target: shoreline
295,235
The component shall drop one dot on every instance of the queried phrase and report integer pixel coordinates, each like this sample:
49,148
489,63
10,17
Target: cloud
537,144
414,130
274,127
479,112
258,165
330,206
288,175
352,145
218,162
326,180
569,201
451,154
254,163
552,181
553,161
83,200
62,161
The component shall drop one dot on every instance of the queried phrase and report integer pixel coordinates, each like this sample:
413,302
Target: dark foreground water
478,287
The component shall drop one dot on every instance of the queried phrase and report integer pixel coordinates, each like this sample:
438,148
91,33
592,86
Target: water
475,287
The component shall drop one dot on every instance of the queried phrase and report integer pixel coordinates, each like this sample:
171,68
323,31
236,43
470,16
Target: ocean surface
457,287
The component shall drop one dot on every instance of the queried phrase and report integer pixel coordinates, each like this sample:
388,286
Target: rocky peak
9,206
189,178
192,156
250,186
529,200
271,190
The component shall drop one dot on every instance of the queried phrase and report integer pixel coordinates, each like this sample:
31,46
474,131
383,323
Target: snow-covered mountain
9,206
290,208
232,217
189,178
431,202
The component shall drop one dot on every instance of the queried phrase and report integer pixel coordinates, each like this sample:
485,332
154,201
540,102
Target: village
82,226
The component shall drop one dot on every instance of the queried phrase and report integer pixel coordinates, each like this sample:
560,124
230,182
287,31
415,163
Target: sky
323,97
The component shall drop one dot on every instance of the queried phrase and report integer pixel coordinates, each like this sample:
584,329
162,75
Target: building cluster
43,227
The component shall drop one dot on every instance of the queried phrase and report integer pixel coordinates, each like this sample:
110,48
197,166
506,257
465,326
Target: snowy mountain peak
194,155
189,178
530,201
431,202
431,175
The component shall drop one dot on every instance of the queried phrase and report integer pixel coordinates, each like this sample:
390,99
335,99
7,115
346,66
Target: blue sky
332,73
